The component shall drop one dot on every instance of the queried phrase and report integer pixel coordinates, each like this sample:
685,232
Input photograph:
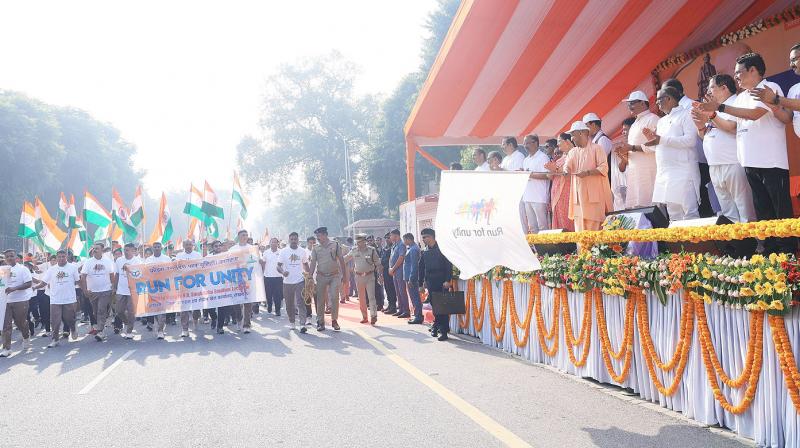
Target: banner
478,222
231,278
5,271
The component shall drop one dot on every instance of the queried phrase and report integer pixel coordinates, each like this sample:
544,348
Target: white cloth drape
771,420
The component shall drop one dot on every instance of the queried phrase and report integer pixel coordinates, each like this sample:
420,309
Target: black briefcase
448,302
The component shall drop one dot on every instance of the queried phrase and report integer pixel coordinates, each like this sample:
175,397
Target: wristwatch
777,100
721,108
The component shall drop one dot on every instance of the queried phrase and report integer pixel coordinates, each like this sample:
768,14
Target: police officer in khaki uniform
327,262
366,264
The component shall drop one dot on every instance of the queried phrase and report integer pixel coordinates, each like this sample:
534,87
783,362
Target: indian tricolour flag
238,196
162,232
63,210
210,206
72,214
94,213
194,208
77,240
27,221
119,214
50,235
137,208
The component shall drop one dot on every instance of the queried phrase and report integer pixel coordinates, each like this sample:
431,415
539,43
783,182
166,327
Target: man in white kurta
677,182
641,171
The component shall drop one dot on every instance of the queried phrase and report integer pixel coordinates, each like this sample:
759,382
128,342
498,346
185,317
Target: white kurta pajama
677,176
641,170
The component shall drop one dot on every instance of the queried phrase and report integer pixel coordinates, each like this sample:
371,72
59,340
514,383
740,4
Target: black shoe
303,330
149,328
415,321
116,331
220,331
404,315
443,337
320,327
397,313
277,313
390,311
434,334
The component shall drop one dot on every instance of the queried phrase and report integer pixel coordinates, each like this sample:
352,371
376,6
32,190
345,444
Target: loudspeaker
550,249
655,213
734,248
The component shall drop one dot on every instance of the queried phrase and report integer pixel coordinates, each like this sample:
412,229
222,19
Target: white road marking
105,373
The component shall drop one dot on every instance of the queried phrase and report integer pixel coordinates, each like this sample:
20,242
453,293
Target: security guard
366,264
436,272
327,262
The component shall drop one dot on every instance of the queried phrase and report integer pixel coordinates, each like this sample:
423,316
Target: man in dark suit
437,273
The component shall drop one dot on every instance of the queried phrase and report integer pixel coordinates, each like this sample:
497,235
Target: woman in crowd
494,159
559,190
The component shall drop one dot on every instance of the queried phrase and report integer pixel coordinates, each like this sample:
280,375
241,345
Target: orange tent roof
513,67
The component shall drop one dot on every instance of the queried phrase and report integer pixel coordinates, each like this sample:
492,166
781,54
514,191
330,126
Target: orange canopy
512,67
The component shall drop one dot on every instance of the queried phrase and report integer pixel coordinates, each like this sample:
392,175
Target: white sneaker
26,343
246,330
5,353
129,336
74,335
52,344
184,334
160,335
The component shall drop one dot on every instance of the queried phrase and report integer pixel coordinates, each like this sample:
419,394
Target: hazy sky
183,79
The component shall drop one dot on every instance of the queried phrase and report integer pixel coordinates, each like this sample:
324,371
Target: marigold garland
498,327
626,347
463,320
553,333
585,336
477,310
648,349
783,348
753,360
534,294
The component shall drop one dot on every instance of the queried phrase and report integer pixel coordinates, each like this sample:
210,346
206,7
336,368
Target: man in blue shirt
411,276
396,271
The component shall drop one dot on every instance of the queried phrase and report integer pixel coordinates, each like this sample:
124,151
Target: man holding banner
245,310
124,305
188,254
159,257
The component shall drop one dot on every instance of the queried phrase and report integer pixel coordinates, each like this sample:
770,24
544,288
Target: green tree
311,117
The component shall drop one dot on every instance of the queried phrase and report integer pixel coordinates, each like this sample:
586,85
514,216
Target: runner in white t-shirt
242,313
159,257
188,254
292,263
97,277
17,286
61,280
124,305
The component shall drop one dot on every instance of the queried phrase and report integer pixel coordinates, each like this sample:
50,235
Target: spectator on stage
705,209
535,199
590,193
760,143
550,147
495,161
559,190
677,175
641,167
514,155
727,175
531,144
479,157
792,100
616,177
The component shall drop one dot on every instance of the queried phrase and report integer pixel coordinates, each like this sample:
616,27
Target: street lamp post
349,186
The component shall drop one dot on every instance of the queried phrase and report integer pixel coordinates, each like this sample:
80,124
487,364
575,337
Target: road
388,386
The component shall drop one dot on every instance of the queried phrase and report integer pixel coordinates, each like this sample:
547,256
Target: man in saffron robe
590,195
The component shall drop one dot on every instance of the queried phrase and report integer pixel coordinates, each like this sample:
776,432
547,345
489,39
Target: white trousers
687,209
536,215
733,192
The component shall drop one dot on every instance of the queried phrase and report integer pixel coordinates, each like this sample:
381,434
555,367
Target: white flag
478,222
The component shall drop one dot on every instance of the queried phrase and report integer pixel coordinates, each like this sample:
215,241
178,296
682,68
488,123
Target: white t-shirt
718,145
17,275
271,262
61,281
152,259
760,143
483,167
513,162
98,278
123,287
193,255
537,189
794,93
291,261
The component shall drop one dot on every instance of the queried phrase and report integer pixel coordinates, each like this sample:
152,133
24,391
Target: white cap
578,126
637,95
591,116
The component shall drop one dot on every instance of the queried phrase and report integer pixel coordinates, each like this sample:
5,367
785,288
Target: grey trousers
18,311
186,316
100,301
334,285
124,310
59,312
293,295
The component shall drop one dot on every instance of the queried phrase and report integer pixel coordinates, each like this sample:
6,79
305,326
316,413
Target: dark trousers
772,201
388,285
86,308
171,318
704,208
273,286
441,322
210,312
223,313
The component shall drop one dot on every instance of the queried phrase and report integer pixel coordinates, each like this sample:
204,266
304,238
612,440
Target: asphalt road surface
386,386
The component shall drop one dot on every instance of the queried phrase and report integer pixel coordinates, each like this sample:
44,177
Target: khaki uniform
365,265
329,276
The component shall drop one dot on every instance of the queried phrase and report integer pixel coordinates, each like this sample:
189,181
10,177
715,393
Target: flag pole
230,206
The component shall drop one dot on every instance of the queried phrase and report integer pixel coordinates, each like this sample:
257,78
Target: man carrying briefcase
436,272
